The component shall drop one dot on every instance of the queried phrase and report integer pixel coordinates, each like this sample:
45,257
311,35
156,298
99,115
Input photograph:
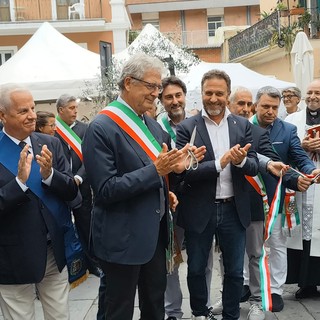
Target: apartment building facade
254,49
195,23
85,22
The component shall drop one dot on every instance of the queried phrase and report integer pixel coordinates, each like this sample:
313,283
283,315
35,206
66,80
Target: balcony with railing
253,38
24,10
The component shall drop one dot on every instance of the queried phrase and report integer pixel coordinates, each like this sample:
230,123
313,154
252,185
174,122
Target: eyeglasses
52,126
150,86
289,96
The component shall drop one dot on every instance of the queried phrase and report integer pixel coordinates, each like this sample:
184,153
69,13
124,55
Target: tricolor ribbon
69,136
164,123
263,264
290,217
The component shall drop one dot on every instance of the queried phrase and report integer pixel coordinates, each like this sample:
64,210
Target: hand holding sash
45,162
304,183
316,176
173,200
311,144
277,167
24,164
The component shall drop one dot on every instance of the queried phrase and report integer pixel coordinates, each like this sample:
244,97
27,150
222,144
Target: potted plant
283,9
285,37
304,21
297,11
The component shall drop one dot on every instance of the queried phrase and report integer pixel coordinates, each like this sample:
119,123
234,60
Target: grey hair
294,90
270,91
138,65
5,95
63,101
236,90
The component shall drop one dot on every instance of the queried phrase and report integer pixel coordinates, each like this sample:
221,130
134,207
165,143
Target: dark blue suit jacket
198,189
286,143
25,220
126,187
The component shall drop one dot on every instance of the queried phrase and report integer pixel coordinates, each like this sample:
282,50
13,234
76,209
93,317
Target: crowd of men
140,190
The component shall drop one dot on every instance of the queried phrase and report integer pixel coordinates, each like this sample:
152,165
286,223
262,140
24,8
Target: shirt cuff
78,178
23,187
241,164
49,179
218,165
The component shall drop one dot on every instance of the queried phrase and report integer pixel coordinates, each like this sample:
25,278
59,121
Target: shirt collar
226,114
17,141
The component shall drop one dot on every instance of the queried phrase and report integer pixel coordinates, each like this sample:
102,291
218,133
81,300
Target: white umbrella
302,62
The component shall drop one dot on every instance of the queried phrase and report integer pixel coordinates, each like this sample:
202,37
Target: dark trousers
226,224
82,217
123,280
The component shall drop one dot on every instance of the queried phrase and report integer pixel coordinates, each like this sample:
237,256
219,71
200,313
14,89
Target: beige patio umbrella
302,63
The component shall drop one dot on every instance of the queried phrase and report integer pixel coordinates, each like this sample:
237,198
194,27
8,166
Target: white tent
239,74
50,64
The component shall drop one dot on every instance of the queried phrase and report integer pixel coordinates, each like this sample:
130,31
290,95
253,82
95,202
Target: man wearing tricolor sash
286,143
35,183
127,160
70,132
304,246
173,99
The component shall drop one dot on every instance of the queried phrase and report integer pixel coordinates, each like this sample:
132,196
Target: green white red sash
133,125
69,136
258,184
164,123
290,216
130,122
263,265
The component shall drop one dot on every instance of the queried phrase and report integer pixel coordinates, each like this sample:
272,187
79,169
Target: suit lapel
276,130
233,130
203,133
36,145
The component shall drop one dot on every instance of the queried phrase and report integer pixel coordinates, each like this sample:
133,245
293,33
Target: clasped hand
311,144
235,155
24,165
174,160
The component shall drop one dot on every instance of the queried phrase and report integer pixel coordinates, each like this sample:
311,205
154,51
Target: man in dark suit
214,198
286,143
67,108
35,182
126,158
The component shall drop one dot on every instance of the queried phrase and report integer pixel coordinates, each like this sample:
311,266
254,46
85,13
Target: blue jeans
232,236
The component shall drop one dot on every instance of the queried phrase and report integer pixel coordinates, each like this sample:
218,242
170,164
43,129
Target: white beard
214,112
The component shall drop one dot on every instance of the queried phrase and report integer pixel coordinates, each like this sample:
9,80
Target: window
150,17
155,23
6,54
62,8
213,24
4,10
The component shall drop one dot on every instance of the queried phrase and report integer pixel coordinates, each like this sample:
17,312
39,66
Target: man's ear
2,117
